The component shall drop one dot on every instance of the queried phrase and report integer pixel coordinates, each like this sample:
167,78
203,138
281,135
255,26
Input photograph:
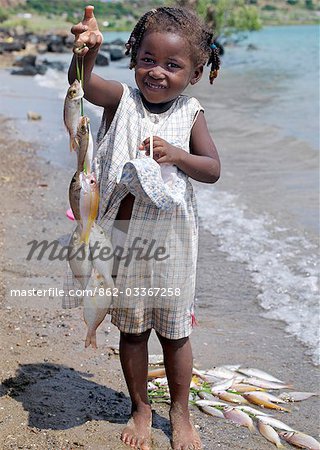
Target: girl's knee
135,338
172,343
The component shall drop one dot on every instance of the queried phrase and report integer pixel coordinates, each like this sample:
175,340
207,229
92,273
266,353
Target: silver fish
95,308
102,257
74,195
250,372
209,403
230,397
206,396
211,411
89,204
296,396
79,258
85,145
265,396
251,411
269,433
300,440
155,359
221,372
71,111
222,386
275,423
239,417
266,384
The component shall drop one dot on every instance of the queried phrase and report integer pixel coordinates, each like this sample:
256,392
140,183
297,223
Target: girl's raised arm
88,40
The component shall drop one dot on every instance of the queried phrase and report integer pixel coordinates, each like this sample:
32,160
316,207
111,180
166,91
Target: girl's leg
178,363
134,361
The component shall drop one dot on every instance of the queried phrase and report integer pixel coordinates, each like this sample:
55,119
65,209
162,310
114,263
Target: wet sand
56,395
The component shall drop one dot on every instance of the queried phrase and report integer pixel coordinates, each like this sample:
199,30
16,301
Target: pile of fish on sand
227,392
92,273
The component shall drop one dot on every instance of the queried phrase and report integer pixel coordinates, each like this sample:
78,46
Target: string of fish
92,273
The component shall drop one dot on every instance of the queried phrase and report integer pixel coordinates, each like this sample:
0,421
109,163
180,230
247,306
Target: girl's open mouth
154,86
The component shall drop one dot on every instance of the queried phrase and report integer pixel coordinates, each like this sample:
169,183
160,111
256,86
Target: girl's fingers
88,12
92,40
78,29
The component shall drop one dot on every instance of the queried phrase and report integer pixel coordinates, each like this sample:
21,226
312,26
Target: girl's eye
173,66
147,60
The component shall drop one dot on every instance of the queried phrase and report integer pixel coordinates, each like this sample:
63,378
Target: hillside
122,15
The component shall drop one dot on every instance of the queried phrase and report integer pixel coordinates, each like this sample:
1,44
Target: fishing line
80,77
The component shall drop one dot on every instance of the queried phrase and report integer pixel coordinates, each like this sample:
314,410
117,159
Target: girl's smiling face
164,67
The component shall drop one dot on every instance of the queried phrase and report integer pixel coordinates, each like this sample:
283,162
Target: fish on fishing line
72,111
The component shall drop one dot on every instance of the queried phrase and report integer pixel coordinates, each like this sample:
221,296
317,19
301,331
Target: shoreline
42,345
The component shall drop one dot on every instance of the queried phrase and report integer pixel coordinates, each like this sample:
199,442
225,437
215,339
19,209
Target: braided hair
183,22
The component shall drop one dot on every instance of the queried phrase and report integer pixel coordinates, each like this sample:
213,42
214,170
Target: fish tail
84,238
74,144
85,235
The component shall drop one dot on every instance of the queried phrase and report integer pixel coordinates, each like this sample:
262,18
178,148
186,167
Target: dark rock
30,70
15,46
102,60
252,47
56,47
115,54
28,60
57,65
118,42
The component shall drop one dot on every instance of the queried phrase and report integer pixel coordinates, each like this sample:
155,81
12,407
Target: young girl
153,198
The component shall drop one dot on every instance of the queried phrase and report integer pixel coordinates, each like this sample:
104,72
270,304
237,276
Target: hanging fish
275,423
89,203
95,308
296,396
74,195
85,145
250,372
239,417
79,258
102,256
300,440
71,111
269,433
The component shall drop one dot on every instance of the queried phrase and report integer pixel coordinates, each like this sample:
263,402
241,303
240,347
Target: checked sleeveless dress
155,286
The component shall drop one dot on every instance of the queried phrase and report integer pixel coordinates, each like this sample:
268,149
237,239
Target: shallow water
265,207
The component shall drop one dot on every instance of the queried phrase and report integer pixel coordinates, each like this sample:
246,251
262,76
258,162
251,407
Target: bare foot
137,433
184,435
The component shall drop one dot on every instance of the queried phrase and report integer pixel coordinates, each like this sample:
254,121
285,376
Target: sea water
281,255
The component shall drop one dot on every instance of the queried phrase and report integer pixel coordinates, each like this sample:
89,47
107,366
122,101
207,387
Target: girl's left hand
163,152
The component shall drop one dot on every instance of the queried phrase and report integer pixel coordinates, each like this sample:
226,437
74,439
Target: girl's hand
87,33
91,338
163,152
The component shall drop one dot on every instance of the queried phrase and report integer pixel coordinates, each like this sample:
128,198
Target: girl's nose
156,73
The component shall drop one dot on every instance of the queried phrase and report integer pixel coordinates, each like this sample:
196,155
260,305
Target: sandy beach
54,394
